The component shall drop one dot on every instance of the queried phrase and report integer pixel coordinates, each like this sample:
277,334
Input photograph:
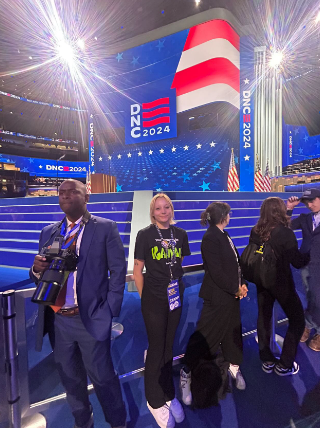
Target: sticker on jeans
173,295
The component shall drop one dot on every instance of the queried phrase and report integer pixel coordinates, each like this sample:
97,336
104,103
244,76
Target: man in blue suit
309,224
85,306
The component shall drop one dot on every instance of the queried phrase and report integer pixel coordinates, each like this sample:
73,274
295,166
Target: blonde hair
153,202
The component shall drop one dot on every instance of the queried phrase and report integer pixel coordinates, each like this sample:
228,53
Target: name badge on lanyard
173,295
173,291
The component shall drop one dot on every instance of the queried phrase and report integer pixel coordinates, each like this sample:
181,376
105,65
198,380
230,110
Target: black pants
218,325
161,325
290,302
77,354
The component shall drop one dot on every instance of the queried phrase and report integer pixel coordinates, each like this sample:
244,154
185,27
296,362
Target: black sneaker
282,371
268,367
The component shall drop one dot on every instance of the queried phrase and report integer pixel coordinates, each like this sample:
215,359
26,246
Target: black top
285,246
221,278
149,249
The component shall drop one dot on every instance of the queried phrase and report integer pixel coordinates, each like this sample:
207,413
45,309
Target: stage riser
52,218
103,206
16,220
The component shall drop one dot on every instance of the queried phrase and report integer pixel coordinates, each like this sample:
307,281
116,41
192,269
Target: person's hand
239,293
244,290
40,264
292,202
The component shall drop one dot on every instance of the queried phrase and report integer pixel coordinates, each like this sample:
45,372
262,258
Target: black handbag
259,264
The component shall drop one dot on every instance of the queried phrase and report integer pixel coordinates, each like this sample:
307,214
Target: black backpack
259,264
209,381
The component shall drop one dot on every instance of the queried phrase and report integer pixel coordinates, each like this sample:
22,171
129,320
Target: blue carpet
268,402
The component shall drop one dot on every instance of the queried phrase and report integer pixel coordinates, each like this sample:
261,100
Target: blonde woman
160,248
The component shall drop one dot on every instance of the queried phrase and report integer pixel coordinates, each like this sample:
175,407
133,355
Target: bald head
73,199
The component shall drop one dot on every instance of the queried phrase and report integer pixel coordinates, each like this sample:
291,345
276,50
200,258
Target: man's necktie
316,220
61,299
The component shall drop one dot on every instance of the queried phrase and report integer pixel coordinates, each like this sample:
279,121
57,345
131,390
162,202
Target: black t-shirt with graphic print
157,262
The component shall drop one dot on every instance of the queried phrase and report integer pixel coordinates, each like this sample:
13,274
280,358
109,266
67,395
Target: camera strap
70,238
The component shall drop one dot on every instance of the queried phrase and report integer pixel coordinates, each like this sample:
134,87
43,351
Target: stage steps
22,219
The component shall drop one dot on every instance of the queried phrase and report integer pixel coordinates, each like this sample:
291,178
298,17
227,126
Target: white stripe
206,95
216,48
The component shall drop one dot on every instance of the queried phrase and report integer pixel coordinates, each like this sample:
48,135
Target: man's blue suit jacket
99,297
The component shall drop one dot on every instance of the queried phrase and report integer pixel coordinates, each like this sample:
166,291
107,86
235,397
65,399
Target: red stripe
153,113
216,29
155,103
155,122
216,70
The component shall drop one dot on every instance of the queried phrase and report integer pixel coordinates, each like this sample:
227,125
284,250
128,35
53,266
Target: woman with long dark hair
160,248
222,288
273,228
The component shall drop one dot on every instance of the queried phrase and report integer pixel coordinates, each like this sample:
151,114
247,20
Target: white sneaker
176,410
185,387
163,416
237,376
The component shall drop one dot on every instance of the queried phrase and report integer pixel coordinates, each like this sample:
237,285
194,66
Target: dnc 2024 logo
152,120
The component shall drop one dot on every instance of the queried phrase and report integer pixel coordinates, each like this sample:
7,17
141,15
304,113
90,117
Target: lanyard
166,244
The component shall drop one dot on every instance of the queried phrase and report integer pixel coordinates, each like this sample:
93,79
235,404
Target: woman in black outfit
273,227
222,288
161,247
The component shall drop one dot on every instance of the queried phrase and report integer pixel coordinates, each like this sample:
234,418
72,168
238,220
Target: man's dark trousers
77,355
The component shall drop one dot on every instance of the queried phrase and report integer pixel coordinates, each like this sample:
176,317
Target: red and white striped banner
209,67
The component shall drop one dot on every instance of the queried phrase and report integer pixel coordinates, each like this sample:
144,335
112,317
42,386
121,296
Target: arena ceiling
29,65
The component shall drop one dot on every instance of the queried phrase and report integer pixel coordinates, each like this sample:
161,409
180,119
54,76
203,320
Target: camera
62,261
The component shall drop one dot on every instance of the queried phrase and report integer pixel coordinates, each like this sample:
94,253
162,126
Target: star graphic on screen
296,131
40,166
91,116
139,153
159,189
212,144
186,147
129,155
246,81
135,60
161,150
216,165
119,57
150,152
306,138
25,170
30,160
199,146
185,177
146,178
300,150
205,186
109,157
119,188
160,44
119,156
246,158
100,158
174,149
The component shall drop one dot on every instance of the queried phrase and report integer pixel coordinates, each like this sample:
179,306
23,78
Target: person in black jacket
273,227
309,224
222,288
